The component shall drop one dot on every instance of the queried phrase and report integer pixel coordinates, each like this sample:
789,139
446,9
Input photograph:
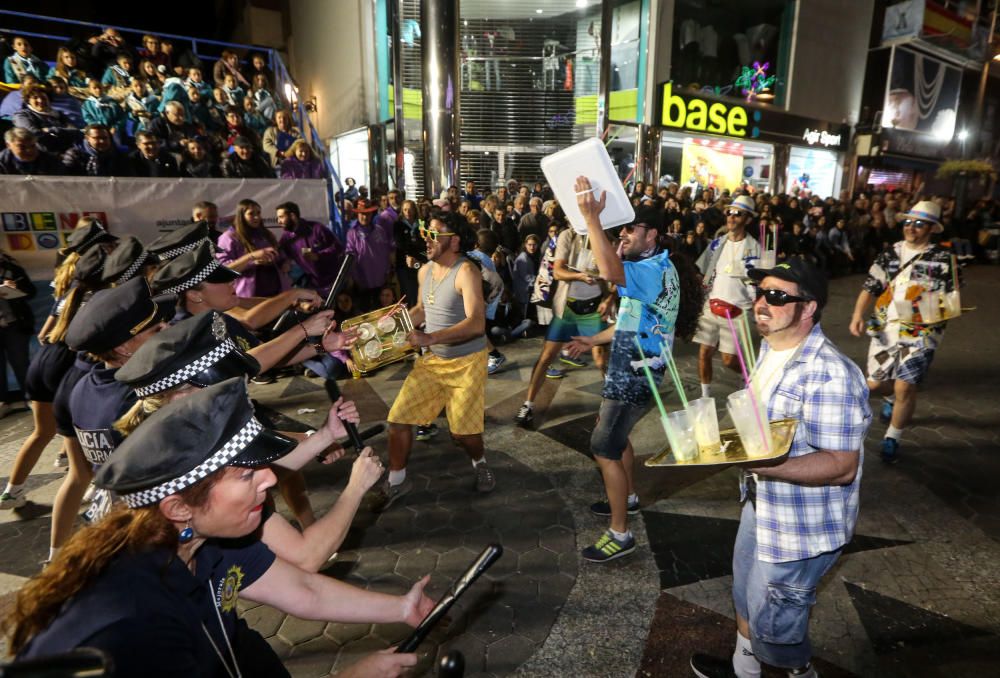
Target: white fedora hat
925,210
744,203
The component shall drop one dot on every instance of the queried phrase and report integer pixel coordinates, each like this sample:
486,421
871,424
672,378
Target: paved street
916,593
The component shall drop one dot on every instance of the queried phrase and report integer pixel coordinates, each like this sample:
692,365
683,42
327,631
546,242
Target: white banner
37,213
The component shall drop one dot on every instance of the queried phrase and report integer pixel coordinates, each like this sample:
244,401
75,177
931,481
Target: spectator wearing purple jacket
372,246
266,274
311,245
301,163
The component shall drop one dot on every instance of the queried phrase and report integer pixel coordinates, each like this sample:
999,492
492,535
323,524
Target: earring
187,534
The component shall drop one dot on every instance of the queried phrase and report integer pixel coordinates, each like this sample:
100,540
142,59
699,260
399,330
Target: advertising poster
922,94
712,164
812,171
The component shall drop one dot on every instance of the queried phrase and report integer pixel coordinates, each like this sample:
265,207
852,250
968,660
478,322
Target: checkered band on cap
194,280
221,458
100,233
177,251
131,270
189,370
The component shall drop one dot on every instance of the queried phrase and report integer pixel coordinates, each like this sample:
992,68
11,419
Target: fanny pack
720,307
583,306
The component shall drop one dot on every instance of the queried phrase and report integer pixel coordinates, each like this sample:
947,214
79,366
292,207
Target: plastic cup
904,309
768,258
706,425
682,441
748,424
952,304
929,305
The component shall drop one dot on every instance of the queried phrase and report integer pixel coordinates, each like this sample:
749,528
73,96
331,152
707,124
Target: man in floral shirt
911,286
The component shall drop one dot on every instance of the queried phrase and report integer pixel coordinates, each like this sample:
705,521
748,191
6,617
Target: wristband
305,333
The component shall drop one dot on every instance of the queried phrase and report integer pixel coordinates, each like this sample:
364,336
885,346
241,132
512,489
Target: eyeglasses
916,223
734,213
433,235
777,297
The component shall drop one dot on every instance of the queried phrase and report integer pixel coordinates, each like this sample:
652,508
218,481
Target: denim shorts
775,597
615,422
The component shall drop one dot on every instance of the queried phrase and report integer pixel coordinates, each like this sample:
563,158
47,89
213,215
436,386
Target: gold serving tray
732,452
363,353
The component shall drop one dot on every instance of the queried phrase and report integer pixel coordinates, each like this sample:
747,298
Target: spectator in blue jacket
100,109
22,62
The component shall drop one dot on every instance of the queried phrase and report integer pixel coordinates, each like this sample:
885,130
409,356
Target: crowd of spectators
104,108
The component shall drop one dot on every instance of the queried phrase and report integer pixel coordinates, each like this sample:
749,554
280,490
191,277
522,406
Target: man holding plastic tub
800,513
724,266
650,295
913,276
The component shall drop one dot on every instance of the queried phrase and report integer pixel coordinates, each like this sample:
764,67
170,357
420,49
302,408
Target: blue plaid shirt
827,393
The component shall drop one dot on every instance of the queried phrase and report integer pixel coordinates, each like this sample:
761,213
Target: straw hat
745,203
925,210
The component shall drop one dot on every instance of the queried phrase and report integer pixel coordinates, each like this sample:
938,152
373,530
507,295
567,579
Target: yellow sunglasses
433,235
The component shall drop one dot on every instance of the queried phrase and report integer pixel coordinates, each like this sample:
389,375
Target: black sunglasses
916,223
735,213
630,228
777,297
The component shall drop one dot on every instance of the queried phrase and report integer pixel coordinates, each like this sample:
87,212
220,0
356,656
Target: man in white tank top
452,374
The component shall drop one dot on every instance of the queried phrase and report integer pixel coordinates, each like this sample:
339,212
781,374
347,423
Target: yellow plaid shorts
456,384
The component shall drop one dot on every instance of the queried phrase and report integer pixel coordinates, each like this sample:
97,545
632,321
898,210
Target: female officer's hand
382,664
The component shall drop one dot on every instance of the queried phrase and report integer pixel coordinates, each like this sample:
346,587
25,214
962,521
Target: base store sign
38,213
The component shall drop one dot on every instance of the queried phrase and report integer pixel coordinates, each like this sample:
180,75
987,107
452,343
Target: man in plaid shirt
798,514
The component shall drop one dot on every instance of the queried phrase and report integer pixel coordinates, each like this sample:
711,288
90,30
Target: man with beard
452,375
800,513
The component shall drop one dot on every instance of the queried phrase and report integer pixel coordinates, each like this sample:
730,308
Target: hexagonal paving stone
455,562
491,623
264,619
375,562
346,633
312,658
415,563
538,563
295,630
505,655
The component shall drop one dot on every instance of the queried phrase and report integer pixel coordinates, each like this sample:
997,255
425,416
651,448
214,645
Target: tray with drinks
381,338
730,449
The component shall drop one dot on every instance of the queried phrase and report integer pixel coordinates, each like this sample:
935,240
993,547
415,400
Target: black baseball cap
115,315
191,269
649,217
188,440
811,281
197,350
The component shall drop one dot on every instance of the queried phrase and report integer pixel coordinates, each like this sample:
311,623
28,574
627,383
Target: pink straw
746,379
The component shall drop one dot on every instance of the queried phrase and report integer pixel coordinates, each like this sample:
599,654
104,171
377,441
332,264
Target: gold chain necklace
430,294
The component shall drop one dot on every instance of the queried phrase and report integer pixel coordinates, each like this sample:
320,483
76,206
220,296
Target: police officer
155,585
129,260
181,240
198,352
110,327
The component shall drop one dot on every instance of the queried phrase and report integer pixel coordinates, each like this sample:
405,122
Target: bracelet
304,332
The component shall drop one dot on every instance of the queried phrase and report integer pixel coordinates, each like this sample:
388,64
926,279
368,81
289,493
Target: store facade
726,143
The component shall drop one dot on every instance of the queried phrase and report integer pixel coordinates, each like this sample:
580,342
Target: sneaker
707,666
525,416
572,362
62,461
603,508
264,379
485,479
99,507
555,373
425,433
886,414
608,548
13,500
495,362
890,450
309,374
385,495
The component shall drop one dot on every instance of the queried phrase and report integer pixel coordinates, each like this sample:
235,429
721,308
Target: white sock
53,552
13,489
893,432
632,498
529,404
706,390
890,399
745,663
620,536
396,477
477,462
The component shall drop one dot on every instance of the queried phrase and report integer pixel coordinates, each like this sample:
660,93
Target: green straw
748,339
652,382
668,358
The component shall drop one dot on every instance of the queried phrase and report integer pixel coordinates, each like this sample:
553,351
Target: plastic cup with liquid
768,258
751,423
682,440
706,425
929,305
952,304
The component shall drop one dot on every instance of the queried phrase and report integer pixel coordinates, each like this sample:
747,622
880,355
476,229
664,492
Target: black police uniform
97,402
82,364
244,338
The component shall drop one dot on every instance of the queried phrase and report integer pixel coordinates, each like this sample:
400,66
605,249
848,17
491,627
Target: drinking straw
674,374
751,351
954,273
656,396
746,379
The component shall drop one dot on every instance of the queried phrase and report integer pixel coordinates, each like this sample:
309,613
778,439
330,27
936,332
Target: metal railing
208,51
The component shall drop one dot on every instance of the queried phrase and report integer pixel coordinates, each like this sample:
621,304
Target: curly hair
86,556
692,293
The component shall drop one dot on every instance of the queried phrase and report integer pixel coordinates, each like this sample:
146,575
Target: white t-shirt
901,284
767,376
729,272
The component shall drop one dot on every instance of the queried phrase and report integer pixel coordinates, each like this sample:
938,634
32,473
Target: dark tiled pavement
917,592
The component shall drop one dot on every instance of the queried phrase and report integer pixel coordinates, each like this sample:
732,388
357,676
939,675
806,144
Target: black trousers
13,351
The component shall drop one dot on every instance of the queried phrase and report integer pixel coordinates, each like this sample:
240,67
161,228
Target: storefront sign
815,136
697,115
703,113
